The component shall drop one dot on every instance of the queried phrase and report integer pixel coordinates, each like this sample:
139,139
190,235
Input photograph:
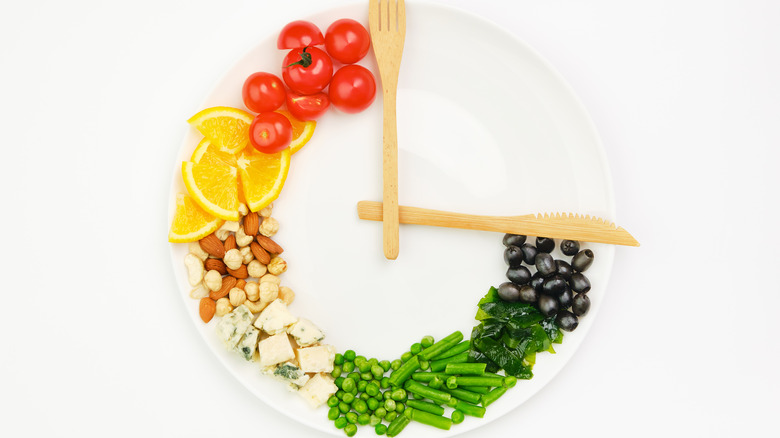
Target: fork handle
389,174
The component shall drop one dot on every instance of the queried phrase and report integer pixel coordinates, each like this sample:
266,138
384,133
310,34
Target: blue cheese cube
305,333
275,349
248,344
318,389
288,373
275,318
232,326
317,359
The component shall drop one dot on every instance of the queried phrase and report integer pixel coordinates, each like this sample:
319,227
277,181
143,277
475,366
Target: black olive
545,244
545,264
579,283
528,294
509,292
548,305
513,239
570,247
529,253
554,285
536,281
518,275
567,320
564,268
582,261
565,298
580,305
513,256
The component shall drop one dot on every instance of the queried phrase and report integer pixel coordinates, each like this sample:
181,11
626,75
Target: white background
94,341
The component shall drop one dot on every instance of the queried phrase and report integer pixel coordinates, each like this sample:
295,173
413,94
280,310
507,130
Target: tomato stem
305,60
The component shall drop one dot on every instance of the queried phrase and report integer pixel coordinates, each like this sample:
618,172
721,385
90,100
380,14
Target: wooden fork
387,24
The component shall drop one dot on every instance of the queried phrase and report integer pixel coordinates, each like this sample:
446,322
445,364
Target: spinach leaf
511,360
490,297
477,356
505,311
552,330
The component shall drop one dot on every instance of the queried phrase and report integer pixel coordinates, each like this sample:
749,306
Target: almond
216,265
241,283
268,244
207,309
227,284
212,245
230,243
260,254
251,223
241,272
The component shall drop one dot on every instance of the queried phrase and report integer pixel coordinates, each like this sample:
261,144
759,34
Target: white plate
486,126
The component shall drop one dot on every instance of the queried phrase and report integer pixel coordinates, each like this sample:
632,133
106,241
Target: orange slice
302,131
262,176
208,153
213,187
227,128
190,222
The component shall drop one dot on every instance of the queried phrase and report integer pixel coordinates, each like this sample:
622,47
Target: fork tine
401,17
392,18
373,15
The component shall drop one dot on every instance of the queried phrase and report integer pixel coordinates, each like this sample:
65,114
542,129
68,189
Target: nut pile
238,264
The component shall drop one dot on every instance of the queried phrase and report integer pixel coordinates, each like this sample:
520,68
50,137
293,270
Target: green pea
399,407
416,348
354,376
367,376
386,395
360,359
339,381
372,404
349,355
384,383
398,395
380,429
360,406
373,361
390,404
348,385
374,420
348,367
377,371
344,407
336,371
361,385
351,417
364,367
348,398
391,416
340,423
364,396
339,359
333,413
363,419
380,412
385,364
372,389
333,401
394,365
406,356
426,341
350,430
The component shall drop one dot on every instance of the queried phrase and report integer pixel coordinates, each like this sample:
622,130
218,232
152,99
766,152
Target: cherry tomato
347,41
263,92
299,34
307,107
352,88
307,70
270,132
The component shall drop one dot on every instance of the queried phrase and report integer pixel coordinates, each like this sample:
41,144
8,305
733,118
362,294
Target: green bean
510,381
457,349
441,364
425,365
462,394
400,375
436,383
363,419
350,430
452,382
479,381
433,408
340,423
427,392
457,416
426,377
416,348
469,409
349,355
338,359
334,413
380,429
397,425
477,389
437,421
351,417
465,368
385,364
442,346
426,341
493,395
